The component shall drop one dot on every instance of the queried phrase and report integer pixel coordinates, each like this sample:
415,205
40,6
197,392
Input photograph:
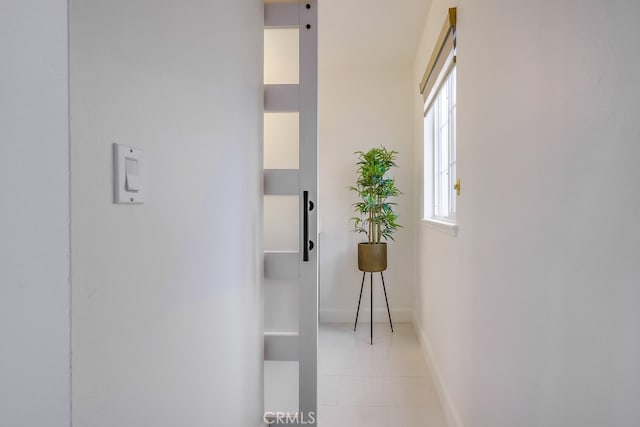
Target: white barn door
290,194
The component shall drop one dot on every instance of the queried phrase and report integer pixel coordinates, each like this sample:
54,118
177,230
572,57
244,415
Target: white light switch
128,184
132,174
132,183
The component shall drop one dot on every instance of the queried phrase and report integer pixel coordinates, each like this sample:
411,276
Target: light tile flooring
386,384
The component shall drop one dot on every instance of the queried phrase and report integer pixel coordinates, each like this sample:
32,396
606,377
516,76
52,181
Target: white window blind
442,58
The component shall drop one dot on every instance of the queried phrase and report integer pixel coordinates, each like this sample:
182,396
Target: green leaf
374,189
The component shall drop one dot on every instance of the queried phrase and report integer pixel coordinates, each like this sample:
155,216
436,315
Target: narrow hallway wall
167,296
366,54
34,215
360,109
531,312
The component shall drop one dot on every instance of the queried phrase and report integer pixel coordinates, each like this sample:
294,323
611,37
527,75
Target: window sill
450,228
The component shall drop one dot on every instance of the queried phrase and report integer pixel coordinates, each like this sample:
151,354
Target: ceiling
370,31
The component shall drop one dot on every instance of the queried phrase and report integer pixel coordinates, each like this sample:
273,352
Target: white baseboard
450,412
398,315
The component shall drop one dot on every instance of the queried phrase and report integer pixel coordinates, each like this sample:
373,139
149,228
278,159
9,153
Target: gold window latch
457,187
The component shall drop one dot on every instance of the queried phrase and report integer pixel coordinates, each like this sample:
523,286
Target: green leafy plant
375,212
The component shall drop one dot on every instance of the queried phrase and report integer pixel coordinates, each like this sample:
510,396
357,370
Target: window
438,89
440,151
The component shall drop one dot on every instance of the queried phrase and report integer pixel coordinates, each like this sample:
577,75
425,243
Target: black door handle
307,244
305,226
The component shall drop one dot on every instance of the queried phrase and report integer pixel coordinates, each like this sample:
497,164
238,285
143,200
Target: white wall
34,215
167,296
361,107
531,313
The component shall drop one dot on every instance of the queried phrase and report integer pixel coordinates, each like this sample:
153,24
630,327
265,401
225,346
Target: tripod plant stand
374,216
371,306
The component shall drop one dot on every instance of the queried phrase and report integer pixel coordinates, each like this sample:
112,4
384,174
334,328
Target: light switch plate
124,193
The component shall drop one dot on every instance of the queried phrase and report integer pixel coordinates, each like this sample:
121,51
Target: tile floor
384,385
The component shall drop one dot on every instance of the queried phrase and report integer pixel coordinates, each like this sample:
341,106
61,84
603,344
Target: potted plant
375,216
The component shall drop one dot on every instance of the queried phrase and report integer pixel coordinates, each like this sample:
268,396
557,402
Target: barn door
290,194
